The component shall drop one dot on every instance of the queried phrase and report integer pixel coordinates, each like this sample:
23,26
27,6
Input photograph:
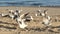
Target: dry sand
9,26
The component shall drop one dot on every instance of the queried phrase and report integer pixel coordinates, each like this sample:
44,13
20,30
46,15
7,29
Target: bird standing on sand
22,24
24,16
41,13
47,21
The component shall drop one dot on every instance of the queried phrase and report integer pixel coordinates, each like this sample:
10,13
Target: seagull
45,11
39,11
11,16
10,11
25,16
22,24
4,14
29,18
47,21
14,14
7,15
19,18
18,11
44,14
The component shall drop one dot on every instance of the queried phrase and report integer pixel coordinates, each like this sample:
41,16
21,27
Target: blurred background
29,2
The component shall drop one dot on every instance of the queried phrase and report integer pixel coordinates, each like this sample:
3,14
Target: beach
8,22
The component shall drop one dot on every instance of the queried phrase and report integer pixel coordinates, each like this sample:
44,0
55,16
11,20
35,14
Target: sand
9,26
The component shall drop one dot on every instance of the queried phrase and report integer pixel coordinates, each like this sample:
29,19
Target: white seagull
41,13
47,21
22,24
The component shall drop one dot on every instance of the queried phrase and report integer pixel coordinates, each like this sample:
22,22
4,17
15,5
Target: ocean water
29,2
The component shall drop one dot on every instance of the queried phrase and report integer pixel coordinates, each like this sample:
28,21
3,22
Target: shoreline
32,6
